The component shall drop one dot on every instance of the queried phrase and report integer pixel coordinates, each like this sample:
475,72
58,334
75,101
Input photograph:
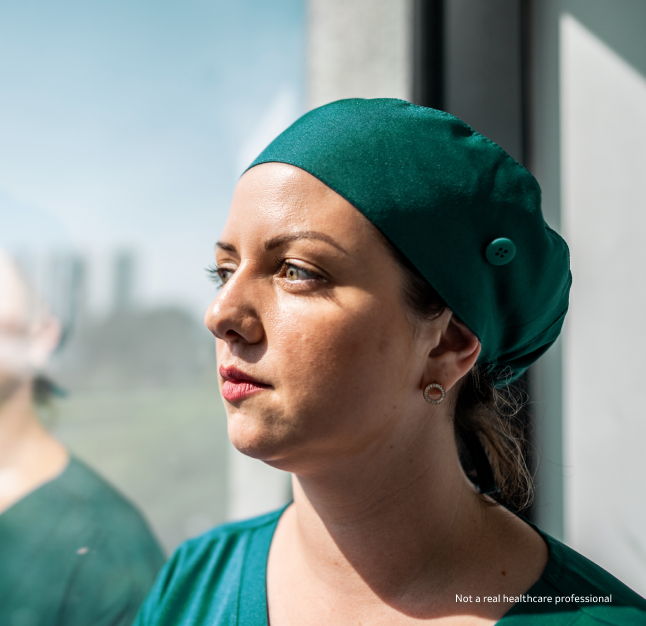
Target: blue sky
130,121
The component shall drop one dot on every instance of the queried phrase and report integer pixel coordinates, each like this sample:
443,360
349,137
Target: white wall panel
358,49
603,169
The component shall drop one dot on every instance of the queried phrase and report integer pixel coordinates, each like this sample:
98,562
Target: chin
262,440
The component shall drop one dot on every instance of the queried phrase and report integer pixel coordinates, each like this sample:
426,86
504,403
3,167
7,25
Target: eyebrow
274,242
280,240
223,245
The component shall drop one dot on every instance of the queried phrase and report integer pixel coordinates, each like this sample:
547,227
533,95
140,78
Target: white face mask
22,356
14,357
27,333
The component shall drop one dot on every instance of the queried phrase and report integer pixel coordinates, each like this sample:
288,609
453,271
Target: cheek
219,346
339,360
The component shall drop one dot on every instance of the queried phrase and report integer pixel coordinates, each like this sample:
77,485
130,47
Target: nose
233,315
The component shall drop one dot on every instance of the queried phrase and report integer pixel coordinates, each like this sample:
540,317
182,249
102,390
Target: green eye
219,275
294,273
224,275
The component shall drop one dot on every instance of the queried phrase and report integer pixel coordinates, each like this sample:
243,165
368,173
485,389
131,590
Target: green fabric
441,193
74,553
219,579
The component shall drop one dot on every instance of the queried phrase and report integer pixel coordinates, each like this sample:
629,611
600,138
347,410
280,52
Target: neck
29,455
394,519
18,421
395,533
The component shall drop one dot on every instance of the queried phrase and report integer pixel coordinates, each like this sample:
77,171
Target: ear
454,355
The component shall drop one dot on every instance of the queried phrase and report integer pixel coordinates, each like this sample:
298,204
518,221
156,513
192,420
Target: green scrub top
219,579
74,552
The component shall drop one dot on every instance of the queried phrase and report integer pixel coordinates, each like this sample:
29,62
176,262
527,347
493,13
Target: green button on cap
500,251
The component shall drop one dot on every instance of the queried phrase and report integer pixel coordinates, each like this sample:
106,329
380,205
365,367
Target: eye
219,275
295,273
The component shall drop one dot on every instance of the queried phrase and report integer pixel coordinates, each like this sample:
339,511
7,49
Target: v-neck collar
252,599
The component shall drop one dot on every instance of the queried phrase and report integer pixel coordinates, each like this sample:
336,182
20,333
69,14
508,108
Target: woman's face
26,339
316,353
14,346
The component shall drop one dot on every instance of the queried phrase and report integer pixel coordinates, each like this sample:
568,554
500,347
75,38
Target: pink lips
238,385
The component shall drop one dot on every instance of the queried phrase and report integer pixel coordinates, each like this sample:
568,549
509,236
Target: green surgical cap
464,213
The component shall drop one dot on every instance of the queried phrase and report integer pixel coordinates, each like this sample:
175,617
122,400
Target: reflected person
386,272
73,551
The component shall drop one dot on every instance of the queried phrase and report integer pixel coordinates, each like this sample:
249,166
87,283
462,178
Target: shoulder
113,540
101,533
207,574
96,555
222,548
81,510
586,588
100,508
82,485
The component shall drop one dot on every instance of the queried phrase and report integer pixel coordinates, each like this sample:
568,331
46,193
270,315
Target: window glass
124,127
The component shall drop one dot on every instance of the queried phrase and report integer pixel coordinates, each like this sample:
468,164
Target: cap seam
475,132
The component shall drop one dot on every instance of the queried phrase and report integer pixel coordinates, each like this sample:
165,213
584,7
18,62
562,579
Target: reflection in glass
71,545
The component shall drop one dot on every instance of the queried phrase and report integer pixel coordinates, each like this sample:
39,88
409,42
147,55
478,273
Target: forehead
276,198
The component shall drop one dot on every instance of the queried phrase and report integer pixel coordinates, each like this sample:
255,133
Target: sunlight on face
316,352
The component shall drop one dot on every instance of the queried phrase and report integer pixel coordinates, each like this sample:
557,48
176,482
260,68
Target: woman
384,268
74,551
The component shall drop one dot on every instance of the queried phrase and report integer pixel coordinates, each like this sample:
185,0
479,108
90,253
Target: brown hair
483,408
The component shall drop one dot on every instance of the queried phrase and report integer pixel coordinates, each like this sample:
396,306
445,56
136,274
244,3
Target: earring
427,395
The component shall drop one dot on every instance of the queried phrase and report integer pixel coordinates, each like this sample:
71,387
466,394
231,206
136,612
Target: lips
238,385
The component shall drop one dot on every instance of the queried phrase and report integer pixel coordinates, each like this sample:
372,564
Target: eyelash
214,270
